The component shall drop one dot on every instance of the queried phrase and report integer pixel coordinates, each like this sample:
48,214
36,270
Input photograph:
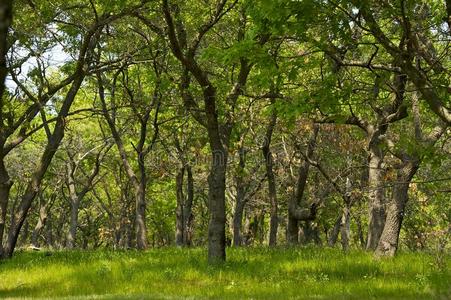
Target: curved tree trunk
138,182
34,184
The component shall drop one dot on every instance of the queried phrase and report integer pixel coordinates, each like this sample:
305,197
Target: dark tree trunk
141,204
53,141
5,182
184,216
247,235
188,209
180,220
272,192
216,184
6,7
240,200
309,233
5,187
388,243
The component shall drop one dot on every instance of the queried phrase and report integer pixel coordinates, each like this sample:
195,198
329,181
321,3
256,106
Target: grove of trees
138,123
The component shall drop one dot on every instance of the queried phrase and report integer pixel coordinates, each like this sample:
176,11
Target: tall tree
218,124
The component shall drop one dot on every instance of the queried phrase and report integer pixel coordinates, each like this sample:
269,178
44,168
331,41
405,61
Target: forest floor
250,273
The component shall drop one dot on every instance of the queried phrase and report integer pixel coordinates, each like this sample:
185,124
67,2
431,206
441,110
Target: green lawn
250,273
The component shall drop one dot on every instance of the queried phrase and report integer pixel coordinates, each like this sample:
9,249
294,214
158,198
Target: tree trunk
5,187
376,201
24,234
188,209
39,225
309,233
71,235
5,182
74,206
388,243
274,217
345,227
239,199
333,237
139,185
141,230
179,213
247,234
272,192
184,216
6,9
237,222
295,212
49,237
216,228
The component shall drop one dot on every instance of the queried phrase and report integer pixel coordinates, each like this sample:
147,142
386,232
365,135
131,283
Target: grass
250,273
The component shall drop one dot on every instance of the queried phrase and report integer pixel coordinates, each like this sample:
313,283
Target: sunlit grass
257,273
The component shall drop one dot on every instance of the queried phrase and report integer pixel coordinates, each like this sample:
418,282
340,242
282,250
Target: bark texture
184,215
296,212
388,243
272,191
376,197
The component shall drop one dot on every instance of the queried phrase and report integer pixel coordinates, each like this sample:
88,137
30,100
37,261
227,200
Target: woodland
142,140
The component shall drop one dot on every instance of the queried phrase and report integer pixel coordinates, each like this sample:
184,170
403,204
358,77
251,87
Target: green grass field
250,273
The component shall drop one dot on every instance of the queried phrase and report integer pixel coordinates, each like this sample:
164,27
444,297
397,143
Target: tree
185,48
